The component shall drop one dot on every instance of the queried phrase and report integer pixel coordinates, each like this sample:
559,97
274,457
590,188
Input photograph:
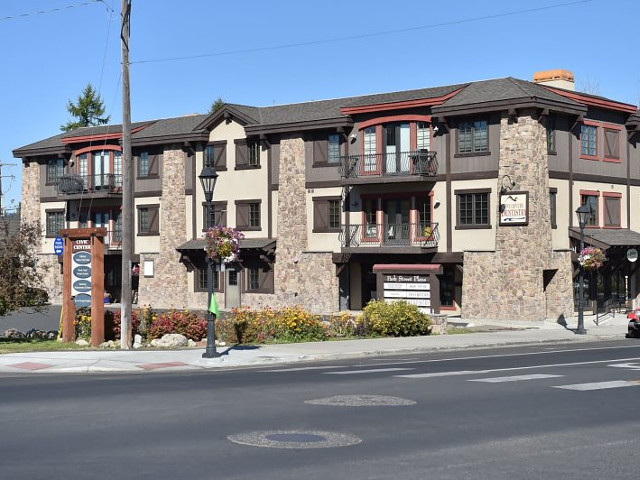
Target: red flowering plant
222,244
591,258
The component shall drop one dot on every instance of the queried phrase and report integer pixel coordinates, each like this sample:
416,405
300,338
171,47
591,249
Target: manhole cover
362,401
295,439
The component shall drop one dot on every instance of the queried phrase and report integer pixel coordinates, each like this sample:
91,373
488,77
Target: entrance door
232,288
101,220
396,221
396,147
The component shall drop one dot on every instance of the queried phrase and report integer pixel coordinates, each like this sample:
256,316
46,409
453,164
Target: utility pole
127,183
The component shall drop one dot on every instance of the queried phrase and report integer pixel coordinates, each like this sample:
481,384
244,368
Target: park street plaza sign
514,208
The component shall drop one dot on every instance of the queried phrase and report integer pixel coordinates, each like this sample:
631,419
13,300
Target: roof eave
499,105
201,136
326,123
24,152
226,111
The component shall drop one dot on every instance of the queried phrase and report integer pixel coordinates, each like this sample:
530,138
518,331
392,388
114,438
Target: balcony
113,240
104,184
388,167
383,237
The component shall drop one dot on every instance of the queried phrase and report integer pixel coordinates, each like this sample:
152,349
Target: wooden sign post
83,280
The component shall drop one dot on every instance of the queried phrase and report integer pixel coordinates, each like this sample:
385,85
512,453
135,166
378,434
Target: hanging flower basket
222,244
591,258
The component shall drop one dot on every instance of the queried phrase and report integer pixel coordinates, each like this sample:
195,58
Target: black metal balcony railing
424,235
70,184
416,162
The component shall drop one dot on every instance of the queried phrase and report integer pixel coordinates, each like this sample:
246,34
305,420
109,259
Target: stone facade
52,278
299,275
30,204
168,287
509,283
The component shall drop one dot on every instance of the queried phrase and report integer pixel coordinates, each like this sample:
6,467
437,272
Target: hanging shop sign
514,208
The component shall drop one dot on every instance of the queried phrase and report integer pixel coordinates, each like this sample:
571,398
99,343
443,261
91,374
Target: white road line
514,378
632,366
299,369
506,355
373,370
510,369
584,387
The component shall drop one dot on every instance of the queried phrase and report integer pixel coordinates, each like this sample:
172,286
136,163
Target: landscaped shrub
246,325
398,319
183,322
82,323
114,318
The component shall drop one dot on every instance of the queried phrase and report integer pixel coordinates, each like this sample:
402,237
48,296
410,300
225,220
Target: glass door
101,169
396,221
397,145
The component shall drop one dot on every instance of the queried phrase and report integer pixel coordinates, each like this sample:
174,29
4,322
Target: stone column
301,277
508,284
168,287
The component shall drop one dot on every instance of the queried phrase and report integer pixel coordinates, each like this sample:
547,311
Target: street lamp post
583,212
208,178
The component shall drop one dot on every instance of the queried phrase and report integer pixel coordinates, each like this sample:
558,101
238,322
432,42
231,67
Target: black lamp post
583,212
208,178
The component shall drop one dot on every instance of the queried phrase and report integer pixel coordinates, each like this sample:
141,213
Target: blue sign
82,258
82,285
82,300
58,246
82,271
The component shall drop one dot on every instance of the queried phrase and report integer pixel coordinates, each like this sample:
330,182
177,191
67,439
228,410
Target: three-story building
458,199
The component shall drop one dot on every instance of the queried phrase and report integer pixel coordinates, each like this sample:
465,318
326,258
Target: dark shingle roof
170,126
481,94
608,237
245,243
503,89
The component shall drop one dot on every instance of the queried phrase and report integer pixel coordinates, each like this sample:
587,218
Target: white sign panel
514,208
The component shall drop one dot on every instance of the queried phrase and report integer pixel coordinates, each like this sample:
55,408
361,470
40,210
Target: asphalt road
556,412
25,319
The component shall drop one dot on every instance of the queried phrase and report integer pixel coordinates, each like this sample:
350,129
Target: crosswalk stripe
373,370
584,387
514,378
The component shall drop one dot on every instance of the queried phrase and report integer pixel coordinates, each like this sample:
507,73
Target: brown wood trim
150,193
247,167
588,177
330,123
471,190
628,185
502,105
448,257
194,182
447,147
269,193
322,184
484,153
486,175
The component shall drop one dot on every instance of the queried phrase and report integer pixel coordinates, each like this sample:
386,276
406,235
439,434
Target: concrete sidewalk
136,361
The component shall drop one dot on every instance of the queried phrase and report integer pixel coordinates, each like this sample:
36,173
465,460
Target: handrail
419,234
71,183
415,162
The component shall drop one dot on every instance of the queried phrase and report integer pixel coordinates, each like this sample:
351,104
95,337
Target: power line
365,35
59,9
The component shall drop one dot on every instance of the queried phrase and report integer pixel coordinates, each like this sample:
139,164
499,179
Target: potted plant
222,244
591,258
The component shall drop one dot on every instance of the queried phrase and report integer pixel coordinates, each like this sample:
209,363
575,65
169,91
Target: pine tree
217,105
88,110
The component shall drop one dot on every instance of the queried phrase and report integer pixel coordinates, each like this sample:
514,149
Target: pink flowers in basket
222,244
591,258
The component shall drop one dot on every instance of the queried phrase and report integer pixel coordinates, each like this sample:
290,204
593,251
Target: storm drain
362,401
295,439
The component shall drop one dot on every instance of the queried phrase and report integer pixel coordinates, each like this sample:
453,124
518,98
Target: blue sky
341,49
